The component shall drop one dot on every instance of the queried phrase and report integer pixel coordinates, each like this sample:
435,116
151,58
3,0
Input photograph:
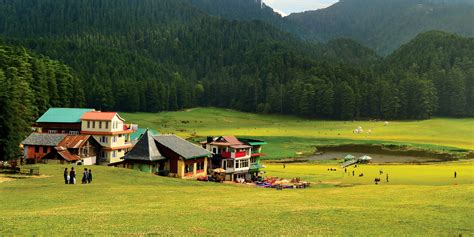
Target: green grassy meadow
288,135
418,200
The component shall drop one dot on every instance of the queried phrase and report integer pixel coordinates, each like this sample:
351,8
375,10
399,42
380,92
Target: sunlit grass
418,200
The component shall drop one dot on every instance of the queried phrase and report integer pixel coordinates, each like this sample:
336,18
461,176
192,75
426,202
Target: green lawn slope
418,200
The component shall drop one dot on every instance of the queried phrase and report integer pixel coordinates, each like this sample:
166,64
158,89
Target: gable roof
74,141
63,115
232,140
178,145
145,149
43,139
97,115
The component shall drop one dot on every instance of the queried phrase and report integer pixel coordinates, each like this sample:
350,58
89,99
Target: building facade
110,131
167,155
239,158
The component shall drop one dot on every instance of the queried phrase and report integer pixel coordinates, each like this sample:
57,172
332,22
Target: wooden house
168,155
37,145
74,149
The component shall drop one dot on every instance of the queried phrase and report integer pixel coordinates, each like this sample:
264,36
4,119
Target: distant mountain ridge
384,25
148,55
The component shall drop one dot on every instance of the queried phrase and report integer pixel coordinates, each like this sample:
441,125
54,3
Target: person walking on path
72,176
455,174
66,177
387,177
84,176
89,176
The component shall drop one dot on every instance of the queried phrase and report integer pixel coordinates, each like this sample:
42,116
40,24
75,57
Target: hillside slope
384,25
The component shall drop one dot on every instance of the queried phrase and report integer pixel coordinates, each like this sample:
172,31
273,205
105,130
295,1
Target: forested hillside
384,25
29,84
448,61
147,55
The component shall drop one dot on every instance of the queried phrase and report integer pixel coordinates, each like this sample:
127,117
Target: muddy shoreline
381,154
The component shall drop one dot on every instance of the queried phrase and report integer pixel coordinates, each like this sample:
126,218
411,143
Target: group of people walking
70,177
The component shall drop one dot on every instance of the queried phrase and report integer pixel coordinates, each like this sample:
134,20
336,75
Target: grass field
418,200
288,135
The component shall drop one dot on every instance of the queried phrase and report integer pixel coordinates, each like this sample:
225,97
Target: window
230,164
253,160
237,164
188,168
200,166
93,124
45,149
114,154
100,124
103,139
73,132
52,131
107,125
214,150
114,139
37,149
244,164
88,124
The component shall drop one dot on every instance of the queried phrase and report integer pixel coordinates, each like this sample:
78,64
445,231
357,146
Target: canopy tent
349,157
365,158
219,170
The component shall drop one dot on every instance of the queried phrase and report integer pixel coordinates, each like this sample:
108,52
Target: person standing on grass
84,176
66,177
72,176
455,174
89,176
353,173
387,177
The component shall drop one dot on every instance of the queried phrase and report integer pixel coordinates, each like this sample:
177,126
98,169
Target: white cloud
285,7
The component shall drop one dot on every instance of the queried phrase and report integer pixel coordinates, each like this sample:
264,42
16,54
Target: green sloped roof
252,142
256,166
140,131
63,115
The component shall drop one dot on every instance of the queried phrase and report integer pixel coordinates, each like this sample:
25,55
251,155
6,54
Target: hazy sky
286,7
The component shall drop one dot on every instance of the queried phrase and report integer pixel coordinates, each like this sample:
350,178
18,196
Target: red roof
68,156
73,141
232,140
97,115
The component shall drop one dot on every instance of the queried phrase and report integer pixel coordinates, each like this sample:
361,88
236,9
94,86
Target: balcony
233,155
